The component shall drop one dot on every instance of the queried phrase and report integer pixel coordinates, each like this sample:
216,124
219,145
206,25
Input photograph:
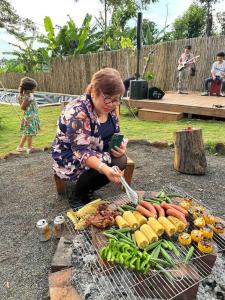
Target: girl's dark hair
220,54
27,85
108,81
188,47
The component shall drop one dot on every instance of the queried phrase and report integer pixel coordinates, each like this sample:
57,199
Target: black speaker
138,89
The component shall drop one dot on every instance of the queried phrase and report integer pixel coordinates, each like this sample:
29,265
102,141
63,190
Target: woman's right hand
111,174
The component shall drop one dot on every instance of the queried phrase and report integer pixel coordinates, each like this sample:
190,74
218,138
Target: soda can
59,226
43,230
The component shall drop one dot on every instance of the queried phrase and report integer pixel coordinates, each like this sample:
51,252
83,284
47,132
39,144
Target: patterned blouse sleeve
79,135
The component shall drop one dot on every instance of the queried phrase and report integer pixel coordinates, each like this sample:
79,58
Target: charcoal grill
116,282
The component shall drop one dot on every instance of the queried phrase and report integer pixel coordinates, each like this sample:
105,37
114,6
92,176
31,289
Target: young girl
30,123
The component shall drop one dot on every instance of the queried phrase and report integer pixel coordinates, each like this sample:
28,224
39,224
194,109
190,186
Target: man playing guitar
186,65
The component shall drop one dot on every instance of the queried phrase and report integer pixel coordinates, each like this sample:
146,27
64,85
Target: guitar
185,63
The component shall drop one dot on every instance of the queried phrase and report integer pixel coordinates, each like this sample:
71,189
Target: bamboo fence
71,75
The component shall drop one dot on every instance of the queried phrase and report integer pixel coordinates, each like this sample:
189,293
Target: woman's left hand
119,151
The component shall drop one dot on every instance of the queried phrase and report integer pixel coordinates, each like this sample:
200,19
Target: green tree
208,5
28,59
221,21
122,12
191,24
12,22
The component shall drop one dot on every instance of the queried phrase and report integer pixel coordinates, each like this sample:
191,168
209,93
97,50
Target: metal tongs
131,194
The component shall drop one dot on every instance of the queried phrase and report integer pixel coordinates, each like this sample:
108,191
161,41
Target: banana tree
71,40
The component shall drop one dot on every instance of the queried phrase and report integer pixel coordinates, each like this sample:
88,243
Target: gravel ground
27,194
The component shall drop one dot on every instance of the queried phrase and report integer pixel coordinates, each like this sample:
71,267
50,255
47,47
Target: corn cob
156,226
121,222
180,226
89,209
141,219
72,216
131,220
170,229
149,233
141,239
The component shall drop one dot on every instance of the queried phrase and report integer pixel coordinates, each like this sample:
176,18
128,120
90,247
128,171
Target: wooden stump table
189,153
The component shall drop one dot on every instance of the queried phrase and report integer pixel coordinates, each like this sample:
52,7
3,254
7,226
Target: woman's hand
111,174
119,151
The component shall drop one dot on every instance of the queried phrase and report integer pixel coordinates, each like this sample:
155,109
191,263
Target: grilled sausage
145,212
175,213
160,210
149,206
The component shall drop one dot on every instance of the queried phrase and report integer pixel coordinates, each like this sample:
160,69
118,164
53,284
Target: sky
58,11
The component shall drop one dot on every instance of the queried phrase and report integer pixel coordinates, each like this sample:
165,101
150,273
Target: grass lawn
213,131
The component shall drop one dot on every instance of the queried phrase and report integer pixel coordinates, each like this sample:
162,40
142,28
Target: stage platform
189,104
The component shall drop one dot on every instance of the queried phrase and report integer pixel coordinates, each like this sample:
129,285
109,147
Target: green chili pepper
167,256
127,261
132,261
122,258
103,252
138,264
165,272
189,255
117,257
147,268
156,251
109,254
145,262
153,245
174,248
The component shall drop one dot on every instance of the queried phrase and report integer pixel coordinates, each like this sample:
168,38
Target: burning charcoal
220,295
211,283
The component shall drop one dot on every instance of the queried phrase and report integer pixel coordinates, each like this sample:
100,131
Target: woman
85,127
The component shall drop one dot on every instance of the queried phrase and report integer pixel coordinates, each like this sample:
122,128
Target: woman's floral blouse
78,138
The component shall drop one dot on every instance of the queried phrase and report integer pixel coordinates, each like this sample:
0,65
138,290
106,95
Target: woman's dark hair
27,85
108,81
220,54
188,47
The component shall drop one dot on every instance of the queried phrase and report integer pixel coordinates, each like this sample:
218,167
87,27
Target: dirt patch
27,194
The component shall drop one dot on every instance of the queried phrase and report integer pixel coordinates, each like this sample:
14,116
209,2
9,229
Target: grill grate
116,282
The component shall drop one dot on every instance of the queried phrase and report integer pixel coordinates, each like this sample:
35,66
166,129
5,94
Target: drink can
43,230
59,226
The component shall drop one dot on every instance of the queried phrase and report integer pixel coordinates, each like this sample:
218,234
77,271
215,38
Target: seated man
218,73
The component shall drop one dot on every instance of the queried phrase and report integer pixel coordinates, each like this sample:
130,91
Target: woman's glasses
109,100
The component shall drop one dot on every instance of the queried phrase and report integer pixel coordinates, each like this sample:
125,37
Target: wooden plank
157,115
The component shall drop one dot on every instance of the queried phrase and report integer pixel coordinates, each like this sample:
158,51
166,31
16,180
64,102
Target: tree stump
189,153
